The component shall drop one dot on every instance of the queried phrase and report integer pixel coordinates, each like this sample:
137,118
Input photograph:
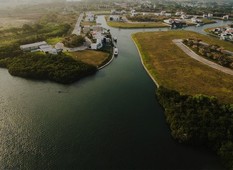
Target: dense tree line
73,41
11,50
200,120
58,68
39,32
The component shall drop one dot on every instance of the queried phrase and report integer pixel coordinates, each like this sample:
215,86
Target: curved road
195,56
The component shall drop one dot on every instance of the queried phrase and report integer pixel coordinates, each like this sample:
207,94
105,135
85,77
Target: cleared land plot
96,58
137,25
174,69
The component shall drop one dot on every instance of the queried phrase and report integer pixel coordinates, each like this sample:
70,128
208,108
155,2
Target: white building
114,18
97,45
204,16
98,36
210,15
162,13
90,17
133,13
168,14
184,17
195,20
40,46
178,13
33,46
49,49
226,17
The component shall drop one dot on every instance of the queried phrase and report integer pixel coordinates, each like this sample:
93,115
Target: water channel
111,120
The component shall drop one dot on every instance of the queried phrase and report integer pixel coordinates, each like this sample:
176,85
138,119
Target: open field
12,22
96,58
174,69
137,25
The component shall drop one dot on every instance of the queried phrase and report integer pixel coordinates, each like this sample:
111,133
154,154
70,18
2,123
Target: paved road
193,55
77,28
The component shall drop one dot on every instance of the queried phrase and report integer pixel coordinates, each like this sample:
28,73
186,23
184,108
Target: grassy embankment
129,25
208,21
208,30
193,117
85,23
173,69
137,25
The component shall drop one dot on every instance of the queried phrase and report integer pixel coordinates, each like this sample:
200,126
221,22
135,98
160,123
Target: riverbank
125,25
133,25
143,59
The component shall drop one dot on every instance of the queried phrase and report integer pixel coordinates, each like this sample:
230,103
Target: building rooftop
33,44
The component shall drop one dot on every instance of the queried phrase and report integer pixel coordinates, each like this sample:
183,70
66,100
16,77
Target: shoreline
106,64
142,61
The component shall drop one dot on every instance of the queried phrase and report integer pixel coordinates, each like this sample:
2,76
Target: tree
73,41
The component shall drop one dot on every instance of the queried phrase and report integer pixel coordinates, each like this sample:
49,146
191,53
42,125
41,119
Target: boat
115,51
115,39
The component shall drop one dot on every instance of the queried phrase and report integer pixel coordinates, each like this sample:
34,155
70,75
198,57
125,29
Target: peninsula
190,91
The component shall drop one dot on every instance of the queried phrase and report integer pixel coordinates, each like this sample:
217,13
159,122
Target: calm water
108,121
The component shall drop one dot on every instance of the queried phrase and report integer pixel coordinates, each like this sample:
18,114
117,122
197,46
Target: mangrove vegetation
200,120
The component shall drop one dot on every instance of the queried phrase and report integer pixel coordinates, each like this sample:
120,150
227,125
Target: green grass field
172,68
54,41
96,58
208,21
